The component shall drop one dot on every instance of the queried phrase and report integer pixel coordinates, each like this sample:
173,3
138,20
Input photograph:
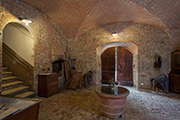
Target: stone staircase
12,86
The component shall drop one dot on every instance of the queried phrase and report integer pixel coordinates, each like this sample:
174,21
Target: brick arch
20,24
133,48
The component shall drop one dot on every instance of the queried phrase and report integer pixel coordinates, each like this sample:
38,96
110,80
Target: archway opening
19,39
130,47
117,63
18,52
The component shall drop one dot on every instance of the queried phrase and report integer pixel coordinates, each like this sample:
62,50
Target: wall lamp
114,34
24,20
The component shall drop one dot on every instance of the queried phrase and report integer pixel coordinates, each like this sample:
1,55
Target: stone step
15,91
28,94
7,74
10,85
4,69
9,79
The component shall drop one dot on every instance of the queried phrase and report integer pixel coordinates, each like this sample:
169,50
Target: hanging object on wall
157,62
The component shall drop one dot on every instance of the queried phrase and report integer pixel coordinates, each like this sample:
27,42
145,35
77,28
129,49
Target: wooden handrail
23,63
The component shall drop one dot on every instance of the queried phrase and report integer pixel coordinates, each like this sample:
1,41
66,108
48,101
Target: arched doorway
18,52
131,47
117,63
19,38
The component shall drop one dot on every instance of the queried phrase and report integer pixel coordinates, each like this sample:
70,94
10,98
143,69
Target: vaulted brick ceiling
76,17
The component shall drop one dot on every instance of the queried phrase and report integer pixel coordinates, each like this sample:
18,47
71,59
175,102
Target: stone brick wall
42,30
148,39
174,34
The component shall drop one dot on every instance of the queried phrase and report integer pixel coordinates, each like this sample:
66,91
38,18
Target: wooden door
124,67
108,65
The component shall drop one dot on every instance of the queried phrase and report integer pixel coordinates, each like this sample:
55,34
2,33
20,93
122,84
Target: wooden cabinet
174,76
47,84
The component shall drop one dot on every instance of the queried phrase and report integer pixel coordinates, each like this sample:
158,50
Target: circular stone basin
112,105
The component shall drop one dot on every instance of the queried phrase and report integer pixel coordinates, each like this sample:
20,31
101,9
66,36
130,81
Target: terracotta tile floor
82,104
